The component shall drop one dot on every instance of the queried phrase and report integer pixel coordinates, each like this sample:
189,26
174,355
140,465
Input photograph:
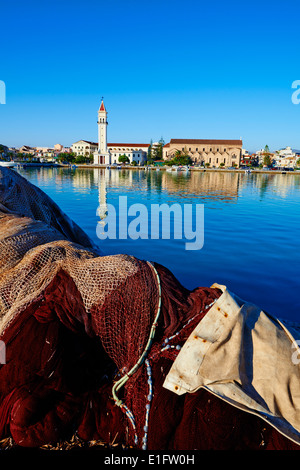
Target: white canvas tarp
245,357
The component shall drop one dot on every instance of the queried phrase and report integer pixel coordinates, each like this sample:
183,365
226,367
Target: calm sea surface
251,226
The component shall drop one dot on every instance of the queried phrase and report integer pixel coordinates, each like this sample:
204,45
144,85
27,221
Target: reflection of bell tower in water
103,178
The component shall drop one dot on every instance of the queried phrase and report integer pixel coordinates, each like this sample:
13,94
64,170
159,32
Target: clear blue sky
170,69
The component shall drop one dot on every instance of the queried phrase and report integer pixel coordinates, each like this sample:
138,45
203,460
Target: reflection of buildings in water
125,179
82,179
212,185
215,185
280,184
113,177
43,175
283,183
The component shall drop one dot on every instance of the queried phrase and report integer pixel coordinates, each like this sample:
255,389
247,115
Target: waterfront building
262,153
135,152
46,153
84,147
250,159
109,153
286,152
13,150
58,147
286,157
25,149
210,152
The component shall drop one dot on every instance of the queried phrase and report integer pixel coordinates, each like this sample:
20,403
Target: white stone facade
135,152
84,147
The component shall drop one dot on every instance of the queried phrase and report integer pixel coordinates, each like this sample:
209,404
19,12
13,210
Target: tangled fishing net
89,340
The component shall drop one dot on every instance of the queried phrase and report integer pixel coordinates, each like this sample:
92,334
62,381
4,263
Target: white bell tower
102,156
102,128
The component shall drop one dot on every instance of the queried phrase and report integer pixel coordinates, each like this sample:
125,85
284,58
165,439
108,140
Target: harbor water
251,225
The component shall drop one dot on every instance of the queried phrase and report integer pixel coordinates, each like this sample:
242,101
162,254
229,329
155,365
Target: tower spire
102,107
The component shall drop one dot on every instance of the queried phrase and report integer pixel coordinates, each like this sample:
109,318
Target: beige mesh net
32,253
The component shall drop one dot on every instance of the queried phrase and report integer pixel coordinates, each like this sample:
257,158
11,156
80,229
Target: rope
122,381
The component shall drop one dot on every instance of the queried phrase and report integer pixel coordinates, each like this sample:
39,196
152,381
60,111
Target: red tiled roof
128,145
88,142
206,141
115,145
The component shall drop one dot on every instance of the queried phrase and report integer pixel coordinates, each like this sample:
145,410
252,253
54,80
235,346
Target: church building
108,153
213,153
